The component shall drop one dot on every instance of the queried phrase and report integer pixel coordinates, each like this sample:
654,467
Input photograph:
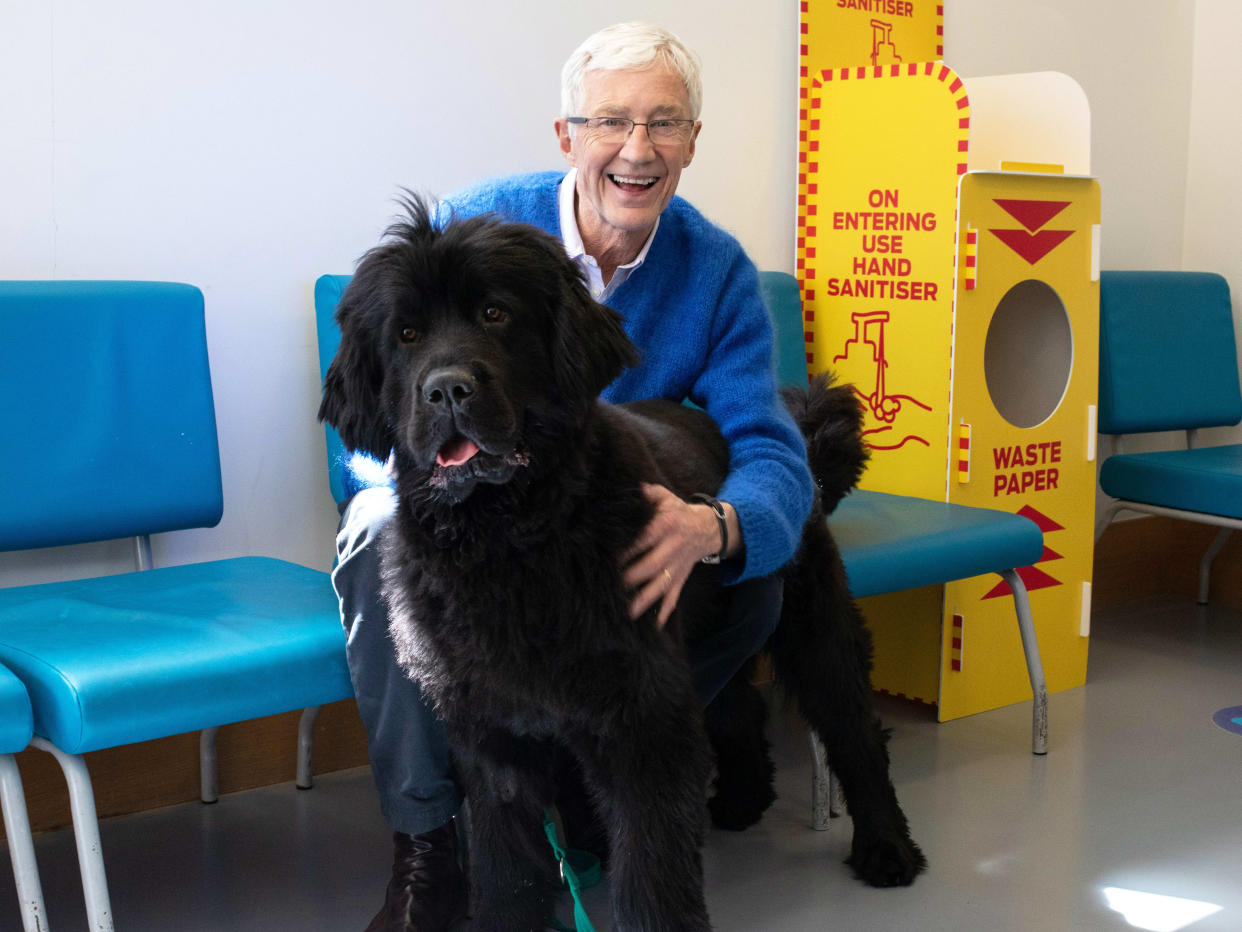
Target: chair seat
1206,480
15,720
136,656
894,542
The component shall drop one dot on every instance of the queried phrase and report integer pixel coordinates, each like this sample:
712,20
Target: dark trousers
409,752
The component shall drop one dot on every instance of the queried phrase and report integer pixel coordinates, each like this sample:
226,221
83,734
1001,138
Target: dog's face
469,349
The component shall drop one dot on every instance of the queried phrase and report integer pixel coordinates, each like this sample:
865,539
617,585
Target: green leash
579,871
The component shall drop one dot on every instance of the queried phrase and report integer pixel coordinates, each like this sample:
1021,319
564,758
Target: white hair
630,47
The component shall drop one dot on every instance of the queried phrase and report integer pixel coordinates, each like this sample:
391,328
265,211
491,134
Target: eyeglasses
618,129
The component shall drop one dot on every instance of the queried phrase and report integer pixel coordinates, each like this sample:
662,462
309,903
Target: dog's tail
830,417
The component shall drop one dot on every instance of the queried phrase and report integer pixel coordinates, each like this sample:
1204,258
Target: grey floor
1140,792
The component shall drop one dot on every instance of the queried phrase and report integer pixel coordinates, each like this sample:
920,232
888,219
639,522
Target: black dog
474,354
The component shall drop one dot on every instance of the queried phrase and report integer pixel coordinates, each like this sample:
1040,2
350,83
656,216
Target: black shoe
427,892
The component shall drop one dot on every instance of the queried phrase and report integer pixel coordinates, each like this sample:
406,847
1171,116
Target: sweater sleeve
769,483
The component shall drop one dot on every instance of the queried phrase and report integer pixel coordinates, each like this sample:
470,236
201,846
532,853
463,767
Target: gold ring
668,578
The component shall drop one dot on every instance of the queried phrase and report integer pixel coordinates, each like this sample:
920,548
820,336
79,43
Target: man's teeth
626,179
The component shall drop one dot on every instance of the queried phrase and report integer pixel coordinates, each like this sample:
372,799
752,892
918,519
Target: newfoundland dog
472,352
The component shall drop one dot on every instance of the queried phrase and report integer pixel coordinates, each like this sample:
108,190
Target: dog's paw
886,860
743,790
736,811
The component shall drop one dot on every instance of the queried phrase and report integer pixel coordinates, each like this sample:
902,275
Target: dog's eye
410,335
495,315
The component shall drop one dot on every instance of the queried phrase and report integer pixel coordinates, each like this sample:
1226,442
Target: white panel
1084,622
1093,433
1039,117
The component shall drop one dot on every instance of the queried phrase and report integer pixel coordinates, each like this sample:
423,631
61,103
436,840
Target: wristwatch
724,526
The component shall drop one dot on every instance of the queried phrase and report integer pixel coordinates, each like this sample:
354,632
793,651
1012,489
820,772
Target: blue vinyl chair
888,542
1169,362
15,734
110,423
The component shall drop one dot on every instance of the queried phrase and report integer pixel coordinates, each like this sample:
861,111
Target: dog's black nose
449,387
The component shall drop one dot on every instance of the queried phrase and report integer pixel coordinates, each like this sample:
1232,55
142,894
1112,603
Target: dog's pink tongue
457,451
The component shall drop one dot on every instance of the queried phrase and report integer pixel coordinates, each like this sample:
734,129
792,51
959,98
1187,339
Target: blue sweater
695,312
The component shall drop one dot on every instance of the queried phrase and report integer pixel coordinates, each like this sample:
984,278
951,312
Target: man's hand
678,536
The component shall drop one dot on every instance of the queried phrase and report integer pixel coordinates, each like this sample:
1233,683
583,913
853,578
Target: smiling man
629,124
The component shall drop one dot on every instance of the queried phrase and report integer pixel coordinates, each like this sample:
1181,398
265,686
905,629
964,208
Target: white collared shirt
572,238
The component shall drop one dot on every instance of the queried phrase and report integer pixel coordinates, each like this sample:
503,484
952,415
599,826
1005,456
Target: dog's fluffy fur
474,353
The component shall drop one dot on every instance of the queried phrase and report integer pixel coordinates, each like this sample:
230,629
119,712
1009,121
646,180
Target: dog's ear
589,344
351,390
353,400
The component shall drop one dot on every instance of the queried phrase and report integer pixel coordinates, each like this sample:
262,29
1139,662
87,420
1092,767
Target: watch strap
718,508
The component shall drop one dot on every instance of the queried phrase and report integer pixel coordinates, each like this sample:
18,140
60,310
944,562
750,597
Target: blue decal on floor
1230,719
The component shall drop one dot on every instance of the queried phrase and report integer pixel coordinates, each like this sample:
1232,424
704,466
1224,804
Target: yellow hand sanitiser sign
876,255
959,295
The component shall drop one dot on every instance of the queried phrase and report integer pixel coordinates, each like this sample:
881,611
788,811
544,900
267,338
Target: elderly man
631,96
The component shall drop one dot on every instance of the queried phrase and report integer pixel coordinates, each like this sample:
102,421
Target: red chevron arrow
1032,246
1045,523
1031,577
1031,214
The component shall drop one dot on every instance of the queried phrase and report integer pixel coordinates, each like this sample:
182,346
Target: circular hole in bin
1028,354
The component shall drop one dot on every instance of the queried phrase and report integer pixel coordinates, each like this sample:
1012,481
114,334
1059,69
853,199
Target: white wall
1215,140
1133,59
248,147
1213,185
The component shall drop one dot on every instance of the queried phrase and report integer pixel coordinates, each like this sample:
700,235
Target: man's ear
694,137
563,139
352,388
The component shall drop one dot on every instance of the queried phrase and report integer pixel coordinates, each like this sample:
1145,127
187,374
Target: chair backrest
107,412
1168,359
784,300
328,291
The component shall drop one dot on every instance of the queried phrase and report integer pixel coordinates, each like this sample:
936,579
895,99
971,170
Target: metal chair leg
1205,565
306,732
827,801
86,834
821,779
1034,667
21,846
209,788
